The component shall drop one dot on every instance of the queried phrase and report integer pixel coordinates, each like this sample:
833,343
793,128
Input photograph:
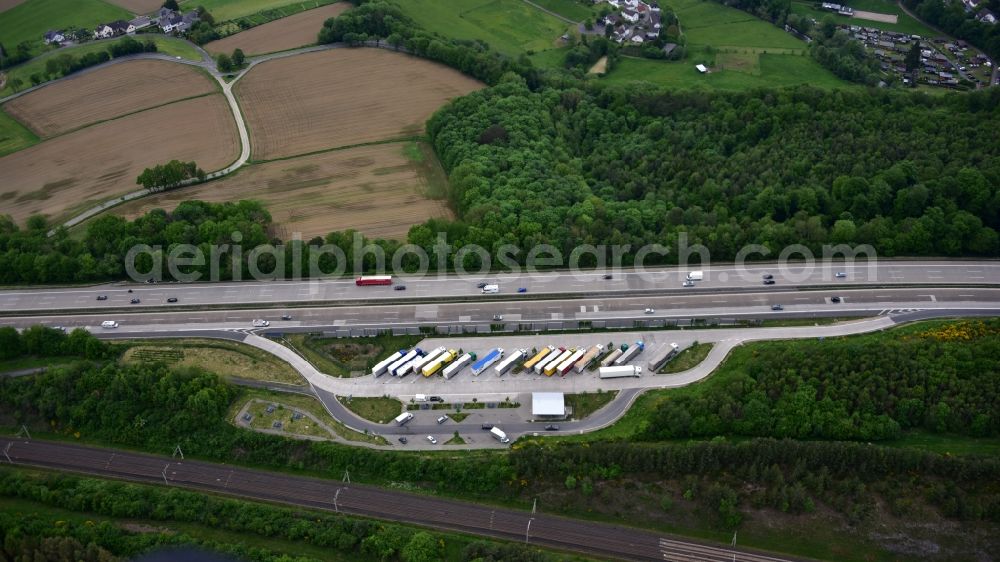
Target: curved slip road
586,537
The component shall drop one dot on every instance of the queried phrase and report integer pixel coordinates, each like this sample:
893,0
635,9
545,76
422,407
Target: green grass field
709,23
905,24
571,9
223,10
166,45
509,26
13,137
30,21
769,71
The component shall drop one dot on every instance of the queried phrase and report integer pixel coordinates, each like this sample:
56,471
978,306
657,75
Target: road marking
967,295
801,298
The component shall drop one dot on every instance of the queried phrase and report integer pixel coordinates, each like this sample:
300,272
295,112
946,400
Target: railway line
586,537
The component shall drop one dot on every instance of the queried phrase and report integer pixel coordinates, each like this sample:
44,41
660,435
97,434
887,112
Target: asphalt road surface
586,537
654,281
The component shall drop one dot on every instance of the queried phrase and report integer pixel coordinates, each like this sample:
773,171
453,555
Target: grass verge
13,135
687,358
341,357
587,403
378,410
228,359
303,403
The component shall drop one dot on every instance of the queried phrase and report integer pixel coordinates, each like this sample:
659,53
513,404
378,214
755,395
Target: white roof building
547,404
701,68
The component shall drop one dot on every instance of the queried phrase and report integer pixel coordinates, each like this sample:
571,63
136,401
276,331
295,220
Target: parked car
841,275
135,301
443,419
432,440
769,281
522,289
436,399
688,283
552,427
834,299
777,307
650,310
487,426
286,317
172,299
768,276
400,287
102,297
403,440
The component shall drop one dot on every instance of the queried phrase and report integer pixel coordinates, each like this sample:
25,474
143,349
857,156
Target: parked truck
552,356
439,363
612,356
404,418
428,358
552,366
458,365
499,435
630,353
591,354
530,363
410,355
509,362
490,358
660,358
567,365
620,371
382,366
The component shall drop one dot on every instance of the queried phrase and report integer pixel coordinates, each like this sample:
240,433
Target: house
112,29
137,24
54,37
971,5
163,14
637,39
986,16
170,23
630,15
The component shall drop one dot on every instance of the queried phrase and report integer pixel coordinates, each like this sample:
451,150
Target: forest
941,380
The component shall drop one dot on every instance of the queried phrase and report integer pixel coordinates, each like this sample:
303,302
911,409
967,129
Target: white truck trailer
550,368
540,366
490,358
410,356
530,363
695,275
403,419
620,371
508,363
427,359
499,435
660,358
382,366
458,365
567,365
438,363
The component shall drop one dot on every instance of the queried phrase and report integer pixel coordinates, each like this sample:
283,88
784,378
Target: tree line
952,18
171,174
42,341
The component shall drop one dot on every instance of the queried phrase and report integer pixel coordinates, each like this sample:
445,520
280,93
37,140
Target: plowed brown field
342,97
280,35
8,4
375,190
107,93
138,6
72,172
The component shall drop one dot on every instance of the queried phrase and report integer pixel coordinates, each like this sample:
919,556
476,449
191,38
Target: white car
841,275
109,324
432,440
688,283
650,311
260,323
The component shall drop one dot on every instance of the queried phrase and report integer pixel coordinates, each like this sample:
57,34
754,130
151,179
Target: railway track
587,537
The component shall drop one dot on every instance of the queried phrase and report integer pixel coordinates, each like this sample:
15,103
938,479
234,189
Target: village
169,21
636,23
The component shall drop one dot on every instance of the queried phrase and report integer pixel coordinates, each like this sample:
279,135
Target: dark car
286,317
172,299
135,301
403,440
834,299
552,427
400,287
102,297
768,276
130,290
436,399
777,307
607,276
481,284
522,289
487,426
769,281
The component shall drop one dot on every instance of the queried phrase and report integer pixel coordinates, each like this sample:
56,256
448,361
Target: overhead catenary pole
165,474
177,451
528,530
335,496
6,451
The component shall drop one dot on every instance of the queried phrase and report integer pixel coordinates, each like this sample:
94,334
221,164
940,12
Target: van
491,289
109,324
404,418
696,276
499,435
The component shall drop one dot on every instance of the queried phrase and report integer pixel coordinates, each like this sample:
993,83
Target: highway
654,281
586,537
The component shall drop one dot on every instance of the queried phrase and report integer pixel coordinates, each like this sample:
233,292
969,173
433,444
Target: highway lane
586,537
306,293
857,301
